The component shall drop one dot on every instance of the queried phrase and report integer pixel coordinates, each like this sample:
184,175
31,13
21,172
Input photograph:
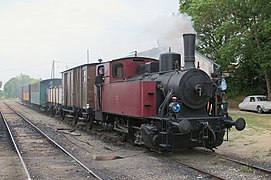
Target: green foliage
235,32
11,88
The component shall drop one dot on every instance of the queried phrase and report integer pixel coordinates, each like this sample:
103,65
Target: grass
258,122
256,125
253,120
254,138
246,169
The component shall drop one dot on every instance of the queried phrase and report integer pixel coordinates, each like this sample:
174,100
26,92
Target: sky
34,33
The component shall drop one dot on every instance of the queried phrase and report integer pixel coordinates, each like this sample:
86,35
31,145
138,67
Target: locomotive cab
120,87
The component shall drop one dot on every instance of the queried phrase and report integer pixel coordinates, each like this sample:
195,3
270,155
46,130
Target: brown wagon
24,94
78,92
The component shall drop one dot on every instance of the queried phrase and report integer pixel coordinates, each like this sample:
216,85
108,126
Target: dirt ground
254,141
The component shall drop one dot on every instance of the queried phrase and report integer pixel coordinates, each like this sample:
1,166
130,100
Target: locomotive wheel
122,136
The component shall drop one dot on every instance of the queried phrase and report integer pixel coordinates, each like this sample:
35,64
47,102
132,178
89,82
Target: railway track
40,156
10,166
203,173
26,172
218,166
206,173
240,162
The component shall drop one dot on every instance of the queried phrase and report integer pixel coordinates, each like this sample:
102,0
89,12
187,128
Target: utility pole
87,56
53,70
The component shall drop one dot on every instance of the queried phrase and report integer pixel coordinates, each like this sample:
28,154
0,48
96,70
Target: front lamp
175,107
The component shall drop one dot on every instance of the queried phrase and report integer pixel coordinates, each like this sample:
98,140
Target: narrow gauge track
240,162
109,135
207,175
218,166
26,172
10,166
29,143
204,173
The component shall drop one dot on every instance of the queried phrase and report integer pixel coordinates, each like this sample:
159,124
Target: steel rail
199,170
56,144
16,147
246,164
239,162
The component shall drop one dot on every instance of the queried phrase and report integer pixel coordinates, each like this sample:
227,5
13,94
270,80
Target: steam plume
172,30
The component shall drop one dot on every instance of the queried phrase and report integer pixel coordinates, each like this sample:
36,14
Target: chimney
189,50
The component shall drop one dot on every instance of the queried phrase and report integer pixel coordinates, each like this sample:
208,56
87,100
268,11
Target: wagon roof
50,79
129,57
79,66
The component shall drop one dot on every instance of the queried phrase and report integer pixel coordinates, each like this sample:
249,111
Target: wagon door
65,89
84,88
91,75
68,88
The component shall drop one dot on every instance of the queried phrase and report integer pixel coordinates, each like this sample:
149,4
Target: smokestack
189,50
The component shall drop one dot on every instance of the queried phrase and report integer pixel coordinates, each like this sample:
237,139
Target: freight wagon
24,94
78,92
54,96
42,94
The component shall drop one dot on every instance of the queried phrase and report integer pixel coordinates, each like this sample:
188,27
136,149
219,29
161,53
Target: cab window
101,70
117,70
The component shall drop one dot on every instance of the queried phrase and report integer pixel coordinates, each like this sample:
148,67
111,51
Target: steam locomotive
155,103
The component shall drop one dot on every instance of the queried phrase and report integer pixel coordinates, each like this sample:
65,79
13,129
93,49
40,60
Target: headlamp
175,107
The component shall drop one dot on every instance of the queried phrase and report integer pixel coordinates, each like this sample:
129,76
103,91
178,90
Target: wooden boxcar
54,97
35,93
78,91
24,94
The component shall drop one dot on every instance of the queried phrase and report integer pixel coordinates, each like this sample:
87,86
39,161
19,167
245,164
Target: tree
236,31
11,88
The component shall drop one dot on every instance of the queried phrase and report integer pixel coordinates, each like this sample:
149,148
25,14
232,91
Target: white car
258,103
